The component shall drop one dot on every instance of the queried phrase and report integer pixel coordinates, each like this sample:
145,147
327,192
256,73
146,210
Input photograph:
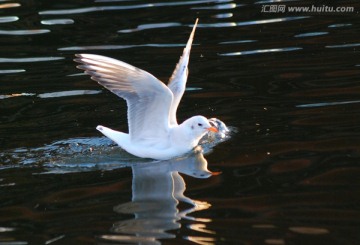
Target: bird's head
200,125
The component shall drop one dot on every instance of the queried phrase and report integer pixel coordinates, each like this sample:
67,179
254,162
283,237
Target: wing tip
80,56
87,56
192,34
195,25
79,59
196,22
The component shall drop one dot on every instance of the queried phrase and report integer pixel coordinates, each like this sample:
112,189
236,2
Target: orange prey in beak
213,129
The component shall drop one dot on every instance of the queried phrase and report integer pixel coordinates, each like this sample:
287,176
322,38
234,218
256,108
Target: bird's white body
178,141
153,128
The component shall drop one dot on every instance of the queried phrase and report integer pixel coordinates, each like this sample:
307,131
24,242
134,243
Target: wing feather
148,99
177,81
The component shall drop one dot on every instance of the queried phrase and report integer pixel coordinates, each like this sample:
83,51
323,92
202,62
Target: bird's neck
184,135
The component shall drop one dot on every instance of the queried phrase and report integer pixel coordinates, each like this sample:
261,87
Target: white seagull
153,128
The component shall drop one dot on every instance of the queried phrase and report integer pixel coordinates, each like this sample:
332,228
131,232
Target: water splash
89,154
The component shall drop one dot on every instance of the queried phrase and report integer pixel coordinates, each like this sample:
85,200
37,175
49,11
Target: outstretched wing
148,99
177,82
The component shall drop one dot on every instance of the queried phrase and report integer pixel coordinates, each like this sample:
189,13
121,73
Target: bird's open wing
177,82
148,99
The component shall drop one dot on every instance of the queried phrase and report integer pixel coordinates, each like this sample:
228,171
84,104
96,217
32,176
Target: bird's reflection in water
157,189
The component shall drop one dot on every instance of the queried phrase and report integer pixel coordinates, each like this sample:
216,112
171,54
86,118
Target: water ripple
52,94
151,26
7,19
252,22
11,71
126,7
31,59
6,229
346,45
312,34
112,1
260,51
57,22
219,6
268,21
339,25
8,96
9,5
67,93
274,1
322,104
110,47
71,11
238,41
24,32
223,16
309,230
217,25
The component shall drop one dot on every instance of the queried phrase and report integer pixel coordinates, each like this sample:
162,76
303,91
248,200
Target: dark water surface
289,83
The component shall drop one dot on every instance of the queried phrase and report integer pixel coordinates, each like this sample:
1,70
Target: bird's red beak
213,129
216,173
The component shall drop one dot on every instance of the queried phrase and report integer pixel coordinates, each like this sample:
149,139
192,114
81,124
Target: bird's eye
200,124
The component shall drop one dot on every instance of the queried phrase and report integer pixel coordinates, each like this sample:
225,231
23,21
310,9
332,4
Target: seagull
153,128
